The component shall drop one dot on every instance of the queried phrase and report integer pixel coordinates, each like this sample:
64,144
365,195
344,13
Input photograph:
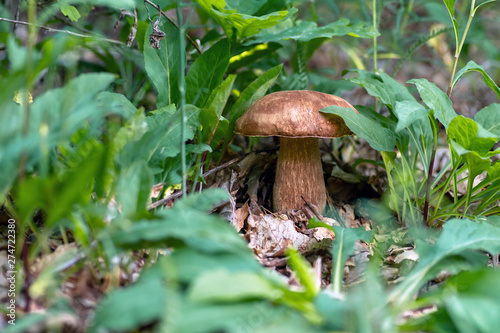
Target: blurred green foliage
89,125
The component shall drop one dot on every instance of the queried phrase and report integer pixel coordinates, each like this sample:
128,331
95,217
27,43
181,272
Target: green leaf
458,238
162,65
223,286
472,66
211,114
489,118
379,138
481,4
71,12
205,74
436,100
243,25
471,136
251,55
134,188
408,112
116,104
384,87
468,301
253,92
304,272
307,30
342,248
143,302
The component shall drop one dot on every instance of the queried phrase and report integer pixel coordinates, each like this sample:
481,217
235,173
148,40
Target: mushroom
294,116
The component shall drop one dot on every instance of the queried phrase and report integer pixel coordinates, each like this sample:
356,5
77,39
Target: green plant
79,162
413,129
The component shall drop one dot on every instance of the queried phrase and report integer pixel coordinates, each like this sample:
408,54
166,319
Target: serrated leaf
379,138
459,237
162,65
436,100
307,30
489,118
205,74
472,66
244,25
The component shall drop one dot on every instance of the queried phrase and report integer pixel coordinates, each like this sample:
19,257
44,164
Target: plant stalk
182,100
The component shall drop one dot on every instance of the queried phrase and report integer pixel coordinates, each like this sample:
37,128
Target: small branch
174,24
208,173
59,30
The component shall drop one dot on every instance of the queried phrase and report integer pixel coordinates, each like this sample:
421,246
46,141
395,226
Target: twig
174,24
59,30
208,173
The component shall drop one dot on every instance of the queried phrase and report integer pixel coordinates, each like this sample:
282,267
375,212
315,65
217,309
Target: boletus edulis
294,116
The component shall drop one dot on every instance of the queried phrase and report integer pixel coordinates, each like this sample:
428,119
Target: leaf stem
182,99
375,28
458,49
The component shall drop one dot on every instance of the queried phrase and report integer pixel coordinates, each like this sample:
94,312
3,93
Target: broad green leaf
472,66
205,74
470,135
211,114
379,138
468,301
408,112
342,248
493,172
59,194
384,87
169,140
460,237
134,188
192,263
489,118
436,100
304,272
307,30
224,286
162,65
244,25
71,12
143,302
116,104
253,92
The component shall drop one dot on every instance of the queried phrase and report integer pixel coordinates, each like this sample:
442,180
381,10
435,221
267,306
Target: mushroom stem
299,174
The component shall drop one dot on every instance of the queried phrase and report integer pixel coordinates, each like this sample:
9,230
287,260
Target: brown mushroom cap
293,114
